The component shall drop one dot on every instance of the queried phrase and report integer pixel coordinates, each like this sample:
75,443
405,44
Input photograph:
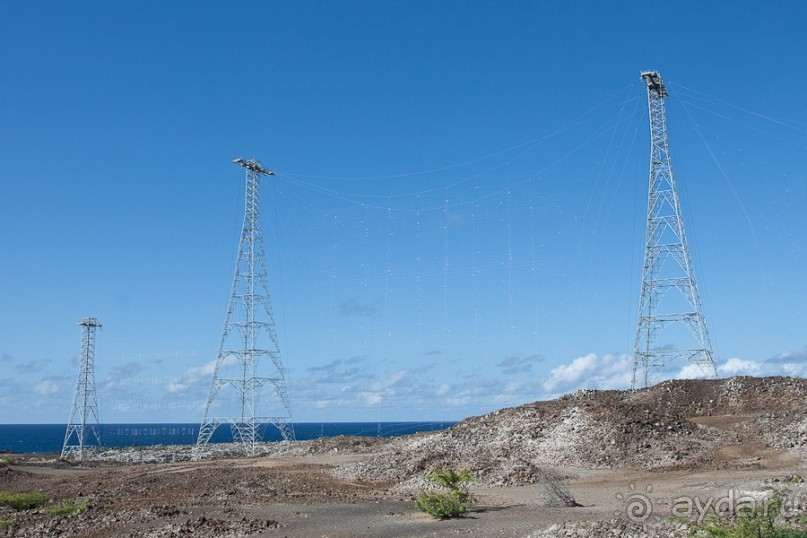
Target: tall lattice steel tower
249,356
83,435
671,324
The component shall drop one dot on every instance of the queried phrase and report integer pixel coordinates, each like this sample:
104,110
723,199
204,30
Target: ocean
34,438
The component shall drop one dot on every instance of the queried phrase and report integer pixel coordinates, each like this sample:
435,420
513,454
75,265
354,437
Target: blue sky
457,220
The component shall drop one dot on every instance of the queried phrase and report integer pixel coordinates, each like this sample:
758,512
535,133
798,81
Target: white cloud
196,377
46,387
175,385
390,381
413,391
615,371
784,364
688,371
569,374
371,398
736,366
788,363
590,372
794,370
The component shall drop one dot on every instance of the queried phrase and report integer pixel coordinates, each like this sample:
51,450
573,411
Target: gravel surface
686,424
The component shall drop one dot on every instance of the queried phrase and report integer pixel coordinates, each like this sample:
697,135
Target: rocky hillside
738,422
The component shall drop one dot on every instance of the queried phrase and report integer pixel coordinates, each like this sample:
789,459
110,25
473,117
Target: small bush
786,533
5,460
450,504
65,508
5,523
22,501
449,478
441,505
759,522
751,523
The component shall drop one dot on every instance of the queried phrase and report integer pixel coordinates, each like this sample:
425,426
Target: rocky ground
700,439
687,424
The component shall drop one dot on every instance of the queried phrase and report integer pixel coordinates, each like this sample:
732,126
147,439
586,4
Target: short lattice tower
671,325
248,359
83,436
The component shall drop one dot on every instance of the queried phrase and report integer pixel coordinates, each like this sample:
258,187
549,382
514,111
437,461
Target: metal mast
84,415
671,324
248,341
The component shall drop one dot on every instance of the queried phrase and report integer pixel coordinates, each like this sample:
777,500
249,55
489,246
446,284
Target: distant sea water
33,438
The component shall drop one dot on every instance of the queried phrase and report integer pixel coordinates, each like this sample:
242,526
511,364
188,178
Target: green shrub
6,460
441,505
5,523
65,508
786,533
22,501
758,522
450,504
749,522
450,479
